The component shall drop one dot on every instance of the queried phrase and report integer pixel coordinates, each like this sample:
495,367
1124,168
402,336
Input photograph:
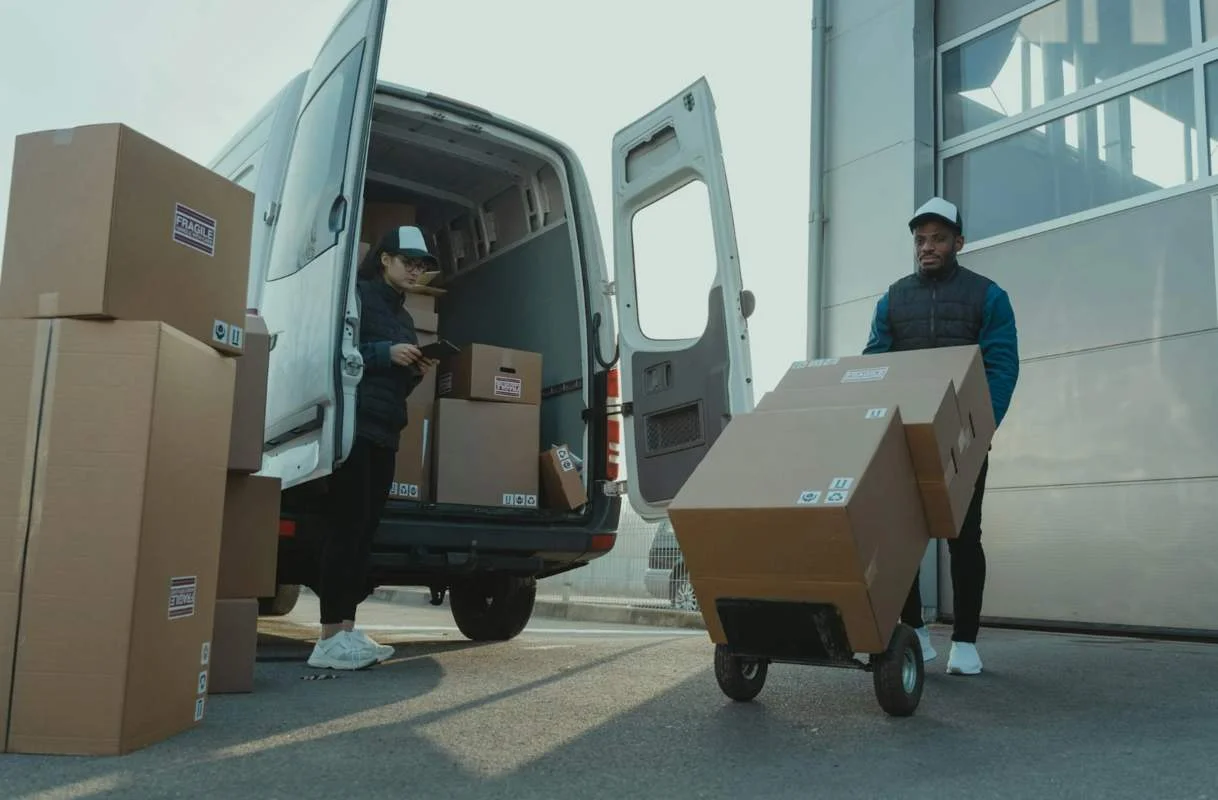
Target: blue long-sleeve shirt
999,342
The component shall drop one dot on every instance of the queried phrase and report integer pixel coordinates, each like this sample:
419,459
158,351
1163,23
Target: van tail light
613,425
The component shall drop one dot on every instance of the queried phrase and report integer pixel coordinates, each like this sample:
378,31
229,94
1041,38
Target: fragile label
194,230
508,386
865,375
519,500
219,332
876,413
836,497
199,706
182,593
840,484
202,682
205,654
808,498
410,491
445,384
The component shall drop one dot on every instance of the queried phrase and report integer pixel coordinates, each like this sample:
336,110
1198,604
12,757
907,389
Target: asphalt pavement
591,710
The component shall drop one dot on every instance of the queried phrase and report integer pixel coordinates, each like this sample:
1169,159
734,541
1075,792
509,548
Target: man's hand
404,354
426,365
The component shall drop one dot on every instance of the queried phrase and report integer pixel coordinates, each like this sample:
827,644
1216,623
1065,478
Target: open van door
678,391
309,301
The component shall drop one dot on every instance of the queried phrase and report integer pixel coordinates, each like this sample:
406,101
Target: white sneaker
383,651
928,650
341,651
964,659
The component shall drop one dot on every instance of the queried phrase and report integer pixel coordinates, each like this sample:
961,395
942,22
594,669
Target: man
943,304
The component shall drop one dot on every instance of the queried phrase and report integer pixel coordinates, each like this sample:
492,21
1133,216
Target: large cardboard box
497,374
926,384
380,218
486,453
234,646
562,486
422,308
104,222
115,441
412,469
249,402
249,548
814,506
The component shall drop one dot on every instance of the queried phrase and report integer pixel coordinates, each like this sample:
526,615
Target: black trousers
358,492
968,574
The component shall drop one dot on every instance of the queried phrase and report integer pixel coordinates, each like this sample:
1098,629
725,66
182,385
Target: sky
190,73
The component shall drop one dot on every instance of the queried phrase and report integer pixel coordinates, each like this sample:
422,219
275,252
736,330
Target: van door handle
338,214
274,340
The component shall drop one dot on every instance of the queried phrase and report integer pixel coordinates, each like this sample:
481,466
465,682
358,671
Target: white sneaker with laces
928,650
383,651
341,651
964,659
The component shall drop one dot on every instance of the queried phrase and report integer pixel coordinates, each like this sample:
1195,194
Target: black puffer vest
380,399
937,309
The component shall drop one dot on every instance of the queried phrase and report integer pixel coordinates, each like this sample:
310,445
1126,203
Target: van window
315,173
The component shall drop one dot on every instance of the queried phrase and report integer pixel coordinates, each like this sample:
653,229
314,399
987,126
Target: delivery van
509,214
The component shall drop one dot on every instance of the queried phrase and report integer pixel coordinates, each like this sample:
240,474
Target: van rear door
678,392
309,300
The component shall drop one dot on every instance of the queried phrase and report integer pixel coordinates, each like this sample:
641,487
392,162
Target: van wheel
282,603
492,609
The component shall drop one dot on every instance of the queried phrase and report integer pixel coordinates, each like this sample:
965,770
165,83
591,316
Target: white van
513,223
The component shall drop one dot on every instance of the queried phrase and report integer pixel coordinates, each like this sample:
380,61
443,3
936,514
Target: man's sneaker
964,659
383,651
928,650
341,651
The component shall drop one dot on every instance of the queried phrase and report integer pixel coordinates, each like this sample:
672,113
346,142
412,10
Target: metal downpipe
816,188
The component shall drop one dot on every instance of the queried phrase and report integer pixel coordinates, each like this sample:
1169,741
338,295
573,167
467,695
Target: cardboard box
412,470
380,218
562,487
933,428
127,421
485,372
106,223
816,506
962,366
249,548
923,383
425,393
249,401
234,646
486,453
422,308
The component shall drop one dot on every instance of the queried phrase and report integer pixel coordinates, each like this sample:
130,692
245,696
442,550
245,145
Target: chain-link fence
644,569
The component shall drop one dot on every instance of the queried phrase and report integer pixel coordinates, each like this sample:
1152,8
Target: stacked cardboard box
562,482
488,425
826,498
122,300
412,474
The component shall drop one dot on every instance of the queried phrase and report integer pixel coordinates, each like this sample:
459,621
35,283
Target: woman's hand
405,354
426,365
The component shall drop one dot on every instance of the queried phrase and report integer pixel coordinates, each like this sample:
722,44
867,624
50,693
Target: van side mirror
748,303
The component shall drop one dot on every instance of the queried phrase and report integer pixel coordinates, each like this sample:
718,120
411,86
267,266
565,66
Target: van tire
282,603
492,609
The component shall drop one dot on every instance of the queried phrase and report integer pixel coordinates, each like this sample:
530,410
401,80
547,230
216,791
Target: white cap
937,208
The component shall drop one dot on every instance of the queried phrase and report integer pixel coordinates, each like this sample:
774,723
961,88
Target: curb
577,612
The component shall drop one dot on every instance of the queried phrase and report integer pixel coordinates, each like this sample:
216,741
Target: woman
358,490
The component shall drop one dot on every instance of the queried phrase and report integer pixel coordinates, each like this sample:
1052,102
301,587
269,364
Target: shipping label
876,413
519,500
219,332
409,491
205,654
194,230
202,688
508,386
200,704
840,484
865,375
808,498
182,595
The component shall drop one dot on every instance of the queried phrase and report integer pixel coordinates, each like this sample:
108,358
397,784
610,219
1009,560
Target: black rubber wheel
492,609
282,603
740,678
899,673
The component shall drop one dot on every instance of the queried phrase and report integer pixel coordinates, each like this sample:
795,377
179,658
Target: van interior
497,217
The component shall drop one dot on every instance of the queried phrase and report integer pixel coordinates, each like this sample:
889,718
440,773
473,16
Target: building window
1209,14
1130,145
1054,52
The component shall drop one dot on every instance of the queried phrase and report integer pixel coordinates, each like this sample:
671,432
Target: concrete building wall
1076,136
